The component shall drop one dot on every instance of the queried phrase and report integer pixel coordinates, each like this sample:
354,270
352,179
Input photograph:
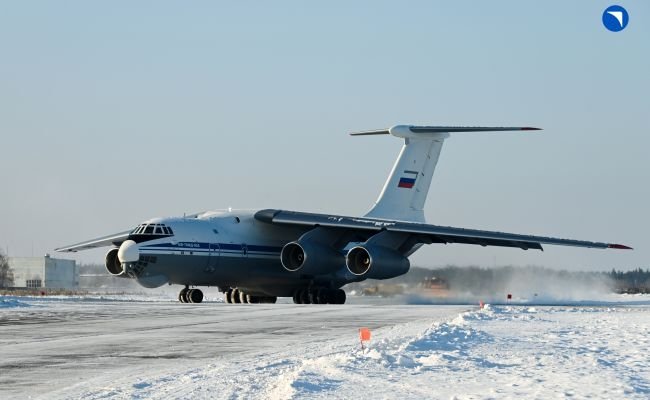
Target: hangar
44,272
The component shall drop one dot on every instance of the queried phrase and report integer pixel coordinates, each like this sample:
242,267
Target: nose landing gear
188,295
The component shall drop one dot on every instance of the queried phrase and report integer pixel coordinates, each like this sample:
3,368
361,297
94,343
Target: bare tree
6,274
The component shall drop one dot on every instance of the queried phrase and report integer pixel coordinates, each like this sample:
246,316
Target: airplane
257,256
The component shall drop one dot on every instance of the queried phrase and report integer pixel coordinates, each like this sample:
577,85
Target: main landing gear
236,296
188,295
319,296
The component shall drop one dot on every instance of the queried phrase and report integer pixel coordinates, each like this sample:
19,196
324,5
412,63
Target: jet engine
113,264
310,258
376,262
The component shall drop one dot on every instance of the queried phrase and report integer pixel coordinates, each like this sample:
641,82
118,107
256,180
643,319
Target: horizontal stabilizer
408,130
368,133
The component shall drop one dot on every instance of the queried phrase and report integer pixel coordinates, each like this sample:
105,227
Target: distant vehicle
383,289
257,256
436,287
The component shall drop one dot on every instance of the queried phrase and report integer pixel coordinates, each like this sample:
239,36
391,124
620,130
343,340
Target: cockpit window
152,229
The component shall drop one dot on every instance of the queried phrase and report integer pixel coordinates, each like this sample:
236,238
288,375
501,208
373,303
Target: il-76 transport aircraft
260,255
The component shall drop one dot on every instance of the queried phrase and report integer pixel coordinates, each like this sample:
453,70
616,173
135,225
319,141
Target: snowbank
498,352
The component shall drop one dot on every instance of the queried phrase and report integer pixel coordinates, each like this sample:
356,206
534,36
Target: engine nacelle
113,264
310,258
376,262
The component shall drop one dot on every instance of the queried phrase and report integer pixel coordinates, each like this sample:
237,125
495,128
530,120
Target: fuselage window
237,219
148,229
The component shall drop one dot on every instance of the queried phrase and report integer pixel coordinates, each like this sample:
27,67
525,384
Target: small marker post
481,304
364,336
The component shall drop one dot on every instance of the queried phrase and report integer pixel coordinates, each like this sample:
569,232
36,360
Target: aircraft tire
323,296
313,296
195,296
339,296
296,297
242,297
266,299
253,299
234,296
304,296
226,296
182,295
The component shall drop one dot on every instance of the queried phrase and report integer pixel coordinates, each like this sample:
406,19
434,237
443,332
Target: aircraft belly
152,281
255,271
228,271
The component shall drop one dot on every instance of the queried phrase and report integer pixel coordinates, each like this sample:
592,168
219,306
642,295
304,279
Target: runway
63,347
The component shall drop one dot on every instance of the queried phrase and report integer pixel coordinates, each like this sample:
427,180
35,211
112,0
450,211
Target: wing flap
434,233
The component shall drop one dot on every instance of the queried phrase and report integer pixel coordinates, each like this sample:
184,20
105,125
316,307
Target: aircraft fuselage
222,249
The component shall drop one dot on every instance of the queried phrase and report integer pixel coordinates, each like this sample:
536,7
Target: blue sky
114,113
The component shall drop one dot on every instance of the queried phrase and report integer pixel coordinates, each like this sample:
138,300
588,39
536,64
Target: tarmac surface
50,345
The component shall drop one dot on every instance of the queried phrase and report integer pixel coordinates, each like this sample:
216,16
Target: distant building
44,272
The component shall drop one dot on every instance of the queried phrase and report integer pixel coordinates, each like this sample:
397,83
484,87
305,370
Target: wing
423,233
110,240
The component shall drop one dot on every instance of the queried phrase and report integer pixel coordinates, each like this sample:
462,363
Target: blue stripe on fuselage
223,247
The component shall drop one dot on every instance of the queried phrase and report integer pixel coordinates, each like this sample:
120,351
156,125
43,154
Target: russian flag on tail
408,180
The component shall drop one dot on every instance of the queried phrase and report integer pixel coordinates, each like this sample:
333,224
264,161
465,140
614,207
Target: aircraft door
213,259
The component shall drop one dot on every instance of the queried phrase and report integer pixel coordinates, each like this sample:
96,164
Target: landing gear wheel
313,296
234,296
339,296
182,296
255,299
304,296
226,296
296,297
195,296
322,296
242,297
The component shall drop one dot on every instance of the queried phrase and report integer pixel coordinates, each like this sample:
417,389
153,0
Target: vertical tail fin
407,186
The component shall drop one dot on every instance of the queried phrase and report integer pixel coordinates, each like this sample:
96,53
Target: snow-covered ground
287,351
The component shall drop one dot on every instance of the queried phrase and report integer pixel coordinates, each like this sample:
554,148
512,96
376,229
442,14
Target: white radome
128,252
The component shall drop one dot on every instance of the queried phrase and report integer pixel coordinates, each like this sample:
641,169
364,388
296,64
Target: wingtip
530,128
619,246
